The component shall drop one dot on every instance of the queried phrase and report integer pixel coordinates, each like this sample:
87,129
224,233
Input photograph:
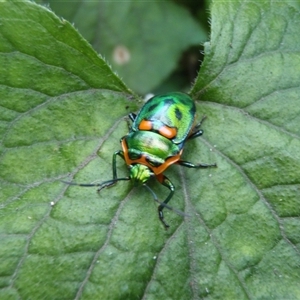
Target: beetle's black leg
132,116
114,162
201,121
107,183
191,165
166,182
195,134
197,131
114,169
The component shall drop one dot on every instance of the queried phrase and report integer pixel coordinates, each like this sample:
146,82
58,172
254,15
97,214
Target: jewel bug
155,141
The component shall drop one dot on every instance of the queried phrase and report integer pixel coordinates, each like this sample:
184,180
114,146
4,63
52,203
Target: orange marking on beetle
145,125
168,132
142,160
160,177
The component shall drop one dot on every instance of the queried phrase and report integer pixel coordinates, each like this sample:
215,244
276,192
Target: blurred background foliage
153,46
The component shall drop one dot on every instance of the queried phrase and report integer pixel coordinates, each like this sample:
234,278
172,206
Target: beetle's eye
134,155
153,163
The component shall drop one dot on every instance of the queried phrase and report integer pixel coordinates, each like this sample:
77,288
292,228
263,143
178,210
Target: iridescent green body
156,141
158,133
175,110
156,147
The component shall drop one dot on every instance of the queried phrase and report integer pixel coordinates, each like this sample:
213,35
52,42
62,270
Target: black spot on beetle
152,107
169,101
178,113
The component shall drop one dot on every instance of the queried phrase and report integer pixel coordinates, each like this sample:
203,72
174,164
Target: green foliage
142,41
62,114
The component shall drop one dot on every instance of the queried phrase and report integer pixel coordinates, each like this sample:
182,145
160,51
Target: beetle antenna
178,212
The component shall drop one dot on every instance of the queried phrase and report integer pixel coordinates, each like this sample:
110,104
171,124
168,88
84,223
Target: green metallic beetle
155,141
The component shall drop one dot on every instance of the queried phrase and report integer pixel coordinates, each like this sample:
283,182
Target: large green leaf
62,115
142,40
249,87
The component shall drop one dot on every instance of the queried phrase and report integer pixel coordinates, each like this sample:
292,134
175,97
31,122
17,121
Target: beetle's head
139,174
